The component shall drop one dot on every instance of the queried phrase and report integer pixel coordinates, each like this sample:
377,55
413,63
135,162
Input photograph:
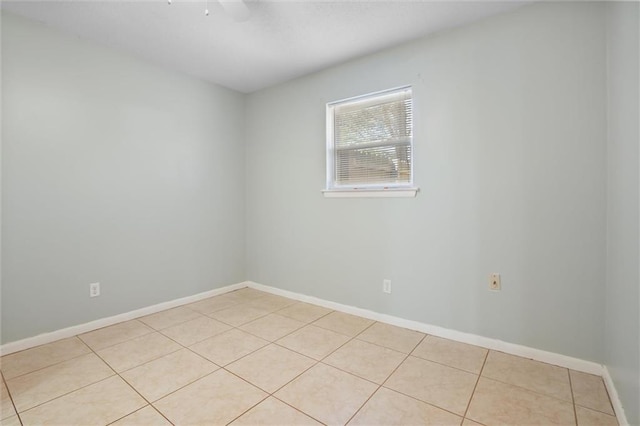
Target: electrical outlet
494,282
94,289
386,286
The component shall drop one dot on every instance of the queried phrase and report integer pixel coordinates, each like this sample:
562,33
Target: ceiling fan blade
236,9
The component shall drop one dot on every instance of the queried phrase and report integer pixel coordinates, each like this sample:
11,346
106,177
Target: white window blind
370,141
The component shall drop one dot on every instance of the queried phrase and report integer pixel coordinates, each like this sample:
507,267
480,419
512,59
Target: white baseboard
41,339
489,343
458,336
615,399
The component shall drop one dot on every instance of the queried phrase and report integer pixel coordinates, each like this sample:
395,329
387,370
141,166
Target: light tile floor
252,358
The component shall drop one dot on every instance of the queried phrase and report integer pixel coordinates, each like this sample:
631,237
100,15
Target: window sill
371,193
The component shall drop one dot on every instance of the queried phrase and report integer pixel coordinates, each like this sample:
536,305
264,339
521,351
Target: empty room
274,212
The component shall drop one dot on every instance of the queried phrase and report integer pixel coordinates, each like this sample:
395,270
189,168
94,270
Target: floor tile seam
528,390
15,409
362,405
188,306
147,361
297,409
573,399
173,324
115,344
151,402
250,408
68,393
313,320
243,356
535,361
358,337
403,361
241,324
380,345
139,409
264,390
475,386
447,365
55,363
197,341
271,341
339,332
208,312
424,402
595,409
413,397
94,381
136,390
154,402
351,373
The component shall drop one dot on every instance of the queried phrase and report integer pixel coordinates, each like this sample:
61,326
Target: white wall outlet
494,282
386,286
94,289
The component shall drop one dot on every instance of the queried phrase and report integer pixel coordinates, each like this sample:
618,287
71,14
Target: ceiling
281,40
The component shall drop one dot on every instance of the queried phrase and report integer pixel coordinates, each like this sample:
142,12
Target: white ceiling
281,40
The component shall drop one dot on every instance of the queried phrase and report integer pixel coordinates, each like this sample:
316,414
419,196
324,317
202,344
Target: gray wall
115,171
510,144
622,332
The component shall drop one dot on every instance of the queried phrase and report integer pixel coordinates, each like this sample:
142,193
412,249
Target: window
370,145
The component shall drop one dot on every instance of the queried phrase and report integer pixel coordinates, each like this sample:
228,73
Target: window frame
389,189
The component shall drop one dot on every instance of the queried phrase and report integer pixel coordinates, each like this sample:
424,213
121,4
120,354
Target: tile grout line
573,399
484,362
385,380
15,409
50,365
132,387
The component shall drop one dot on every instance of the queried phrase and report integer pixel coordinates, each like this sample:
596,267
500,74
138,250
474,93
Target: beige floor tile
239,314
533,375
387,407
587,417
48,383
6,406
164,375
313,341
99,403
274,413
132,353
215,399
342,323
366,360
228,346
392,337
589,391
246,294
327,394
271,367
496,403
170,317
196,330
468,422
213,304
147,416
443,386
112,335
272,327
271,302
10,421
33,359
454,354
304,312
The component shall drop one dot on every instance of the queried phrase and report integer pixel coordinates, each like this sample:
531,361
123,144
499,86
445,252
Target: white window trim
362,191
371,193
